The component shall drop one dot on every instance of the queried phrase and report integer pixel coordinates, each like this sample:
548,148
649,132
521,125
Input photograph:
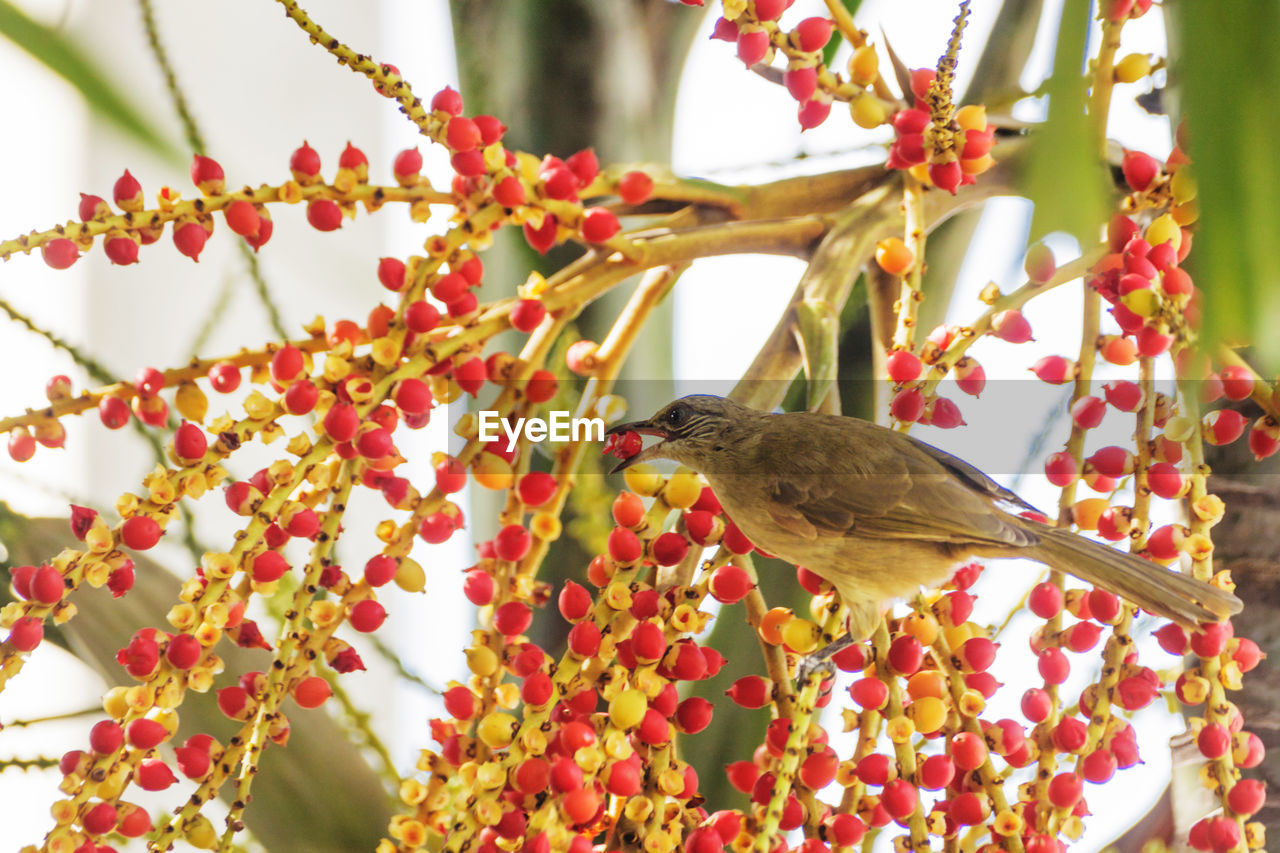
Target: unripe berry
893,256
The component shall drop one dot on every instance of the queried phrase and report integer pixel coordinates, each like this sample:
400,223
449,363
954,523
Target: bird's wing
877,483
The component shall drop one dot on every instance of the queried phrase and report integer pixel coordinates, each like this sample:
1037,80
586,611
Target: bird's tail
1172,594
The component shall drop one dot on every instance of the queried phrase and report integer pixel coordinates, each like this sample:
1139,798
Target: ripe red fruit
22,446
900,799
907,405
312,692
304,163
512,542
526,314
869,693
753,46
243,219
26,634
948,176
624,545
420,316
46,585
1053,666
1065,790
802,82
970,376
224,377
324,214
599,225
478,586
812,34
391,273
106,737
1011,326
1061,470
154,775
127,193
461,134
635,187
1214,740
189,238
730,584
1223,426
447,100
905,655
669,548
367,615
60,253
1140,170
140,532
207,175
341,422
1054,369
406,166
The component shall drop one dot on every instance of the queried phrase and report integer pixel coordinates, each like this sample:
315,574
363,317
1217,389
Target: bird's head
695,430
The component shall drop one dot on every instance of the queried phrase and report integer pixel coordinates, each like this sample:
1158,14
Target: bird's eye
676,416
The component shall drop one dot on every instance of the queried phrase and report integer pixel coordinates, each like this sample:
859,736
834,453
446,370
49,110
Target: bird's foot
819,663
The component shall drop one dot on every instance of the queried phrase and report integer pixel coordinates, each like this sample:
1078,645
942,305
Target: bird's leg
820,661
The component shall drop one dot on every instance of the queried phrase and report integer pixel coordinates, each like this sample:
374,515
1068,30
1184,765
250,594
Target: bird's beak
643,428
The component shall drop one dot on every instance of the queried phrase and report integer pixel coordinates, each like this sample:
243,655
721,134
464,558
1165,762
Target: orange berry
893,256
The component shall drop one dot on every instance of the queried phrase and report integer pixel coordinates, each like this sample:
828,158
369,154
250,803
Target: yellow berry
972,117
682,490
1164,229
801,635
928,713
868,111
643,479
409,576
627,709
1132,68
864,66
493,472
496,730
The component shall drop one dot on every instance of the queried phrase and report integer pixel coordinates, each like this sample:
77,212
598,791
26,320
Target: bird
879,514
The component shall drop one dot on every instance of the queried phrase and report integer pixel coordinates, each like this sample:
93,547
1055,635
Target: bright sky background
731,126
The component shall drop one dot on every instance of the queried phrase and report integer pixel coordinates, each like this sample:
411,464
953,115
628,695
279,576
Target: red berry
60,253
243,219
421,316
813,112
1065,790
1053,666
730,584
461,134
512,542
391,273
1140,170
406,166
305,165
367,615
1011,326
948,176
207,175
907,405
812,34
190,442
802,82
127,193
106,737
905,655
470,375
312,692
1054,369
900,798
324,214
1061,470
635,187
753,46
869,693
190,238
526,314
624,545
447,100
599,225
669,548
514,617
341,422
1223,426
140,532
26,633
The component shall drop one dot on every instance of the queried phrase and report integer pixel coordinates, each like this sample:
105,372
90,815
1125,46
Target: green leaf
837,38
63,57
1225,71
1066,178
